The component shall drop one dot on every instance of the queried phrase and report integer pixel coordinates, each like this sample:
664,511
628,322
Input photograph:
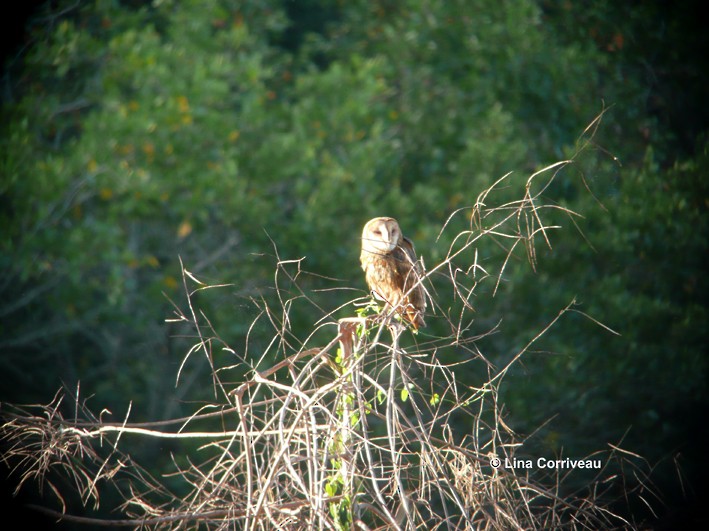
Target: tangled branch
360,432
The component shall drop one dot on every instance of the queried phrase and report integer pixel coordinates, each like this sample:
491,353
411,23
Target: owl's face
381,235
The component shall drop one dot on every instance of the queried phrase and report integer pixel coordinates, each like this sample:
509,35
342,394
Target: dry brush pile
368,431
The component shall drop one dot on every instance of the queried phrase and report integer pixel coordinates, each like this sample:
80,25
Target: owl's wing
414,264
408,247
412,273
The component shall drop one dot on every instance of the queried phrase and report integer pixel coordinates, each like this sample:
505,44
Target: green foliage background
134,133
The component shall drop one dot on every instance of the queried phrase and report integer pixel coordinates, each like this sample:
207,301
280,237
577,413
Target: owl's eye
378,232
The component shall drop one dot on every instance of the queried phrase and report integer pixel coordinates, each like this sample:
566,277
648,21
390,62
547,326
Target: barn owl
392,270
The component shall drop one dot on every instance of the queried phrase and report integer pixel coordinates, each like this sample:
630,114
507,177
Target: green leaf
381,396
404,394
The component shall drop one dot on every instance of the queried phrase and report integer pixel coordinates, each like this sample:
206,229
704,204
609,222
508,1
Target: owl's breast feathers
394,278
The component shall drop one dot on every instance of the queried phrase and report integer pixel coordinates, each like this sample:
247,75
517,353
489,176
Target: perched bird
392,271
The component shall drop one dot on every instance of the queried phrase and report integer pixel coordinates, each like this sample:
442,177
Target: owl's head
381,235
